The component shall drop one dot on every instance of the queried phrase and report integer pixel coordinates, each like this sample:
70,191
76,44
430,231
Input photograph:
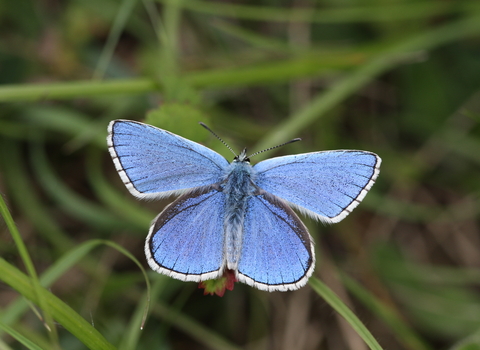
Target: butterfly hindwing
154,163
325,185
277,250
186,240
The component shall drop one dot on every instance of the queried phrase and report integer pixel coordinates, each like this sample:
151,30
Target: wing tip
120,170
358,199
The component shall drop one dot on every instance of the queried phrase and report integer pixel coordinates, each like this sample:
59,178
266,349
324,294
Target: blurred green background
400,78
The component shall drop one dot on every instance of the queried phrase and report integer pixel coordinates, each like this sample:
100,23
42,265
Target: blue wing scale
154,163
277,250
325,185
186,240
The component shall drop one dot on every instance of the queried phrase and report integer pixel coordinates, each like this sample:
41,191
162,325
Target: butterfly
234,215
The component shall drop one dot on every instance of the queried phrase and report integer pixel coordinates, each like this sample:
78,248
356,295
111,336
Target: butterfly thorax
238,186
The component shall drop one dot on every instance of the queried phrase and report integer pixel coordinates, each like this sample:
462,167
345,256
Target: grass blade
19,337
60,311
334,301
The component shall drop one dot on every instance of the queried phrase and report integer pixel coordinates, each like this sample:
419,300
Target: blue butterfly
233,215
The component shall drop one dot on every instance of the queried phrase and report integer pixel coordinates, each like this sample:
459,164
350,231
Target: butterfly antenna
269,149
218,137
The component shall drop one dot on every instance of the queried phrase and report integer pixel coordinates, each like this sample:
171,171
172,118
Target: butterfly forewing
186,240
277,251
325,185
154,163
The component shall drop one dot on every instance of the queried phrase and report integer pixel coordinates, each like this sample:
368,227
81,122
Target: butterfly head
242,157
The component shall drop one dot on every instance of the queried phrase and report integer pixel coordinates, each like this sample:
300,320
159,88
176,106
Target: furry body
238,187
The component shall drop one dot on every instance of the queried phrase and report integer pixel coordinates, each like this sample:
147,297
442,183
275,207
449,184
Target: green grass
400,79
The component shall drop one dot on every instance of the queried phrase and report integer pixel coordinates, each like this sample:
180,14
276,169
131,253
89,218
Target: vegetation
399,78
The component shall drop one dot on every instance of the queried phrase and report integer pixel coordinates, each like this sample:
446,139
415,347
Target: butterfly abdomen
238,187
